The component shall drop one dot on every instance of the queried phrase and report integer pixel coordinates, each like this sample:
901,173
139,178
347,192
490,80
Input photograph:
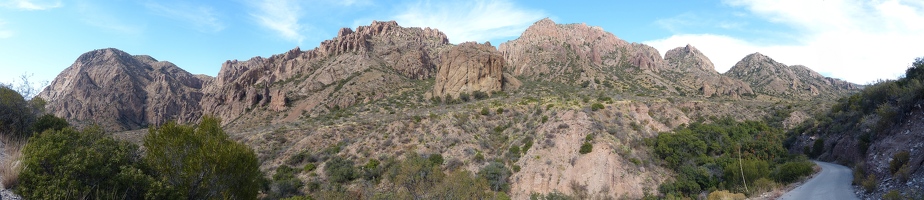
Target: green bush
310,167
892,195
596,106
464,97
485,111
480,95
898,161
201,161
586,148
818,147
284,183
753,169
67,164
500,111
870,183
340,170
436,159
791,171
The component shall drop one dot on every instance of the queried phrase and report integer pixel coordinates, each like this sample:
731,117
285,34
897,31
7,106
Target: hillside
877,131
384,92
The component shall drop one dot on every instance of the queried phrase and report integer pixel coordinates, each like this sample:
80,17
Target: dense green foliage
899,160
202,162
70,164
709,157
496,174
49,122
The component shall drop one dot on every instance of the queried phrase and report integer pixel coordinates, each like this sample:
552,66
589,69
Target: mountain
692,69
119,91
769,77
578,53
377,93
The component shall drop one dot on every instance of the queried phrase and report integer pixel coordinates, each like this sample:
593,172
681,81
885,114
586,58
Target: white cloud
856,40
96,16
477,20
31,4
203,18
280,16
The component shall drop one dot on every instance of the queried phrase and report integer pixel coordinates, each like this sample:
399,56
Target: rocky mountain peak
689,58
770,77
136,91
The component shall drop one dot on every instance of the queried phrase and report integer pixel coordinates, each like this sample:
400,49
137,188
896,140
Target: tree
16,114
201,162
49,122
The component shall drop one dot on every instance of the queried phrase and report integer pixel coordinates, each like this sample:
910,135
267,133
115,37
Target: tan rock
469,67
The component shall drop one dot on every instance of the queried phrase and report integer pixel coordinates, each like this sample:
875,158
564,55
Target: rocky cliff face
122,92
767,76
572,53
471,67
690,68
356,66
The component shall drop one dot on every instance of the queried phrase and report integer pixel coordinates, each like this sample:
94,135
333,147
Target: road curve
833,182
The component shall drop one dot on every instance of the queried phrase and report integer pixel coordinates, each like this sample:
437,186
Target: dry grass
10,163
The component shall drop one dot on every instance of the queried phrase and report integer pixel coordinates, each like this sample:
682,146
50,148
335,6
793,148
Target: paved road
832,183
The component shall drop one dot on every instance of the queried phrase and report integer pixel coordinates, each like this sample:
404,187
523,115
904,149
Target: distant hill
769,77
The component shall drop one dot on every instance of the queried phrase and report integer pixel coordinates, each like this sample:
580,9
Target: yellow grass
10,165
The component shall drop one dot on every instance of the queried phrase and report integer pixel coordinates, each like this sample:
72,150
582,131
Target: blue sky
856,40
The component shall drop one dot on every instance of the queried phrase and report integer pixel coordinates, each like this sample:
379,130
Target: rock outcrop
119,91
572,53
767,76
692,69
470,67
354,67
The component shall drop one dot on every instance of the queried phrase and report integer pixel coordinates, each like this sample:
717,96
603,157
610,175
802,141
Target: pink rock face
469,67
695,70
121,92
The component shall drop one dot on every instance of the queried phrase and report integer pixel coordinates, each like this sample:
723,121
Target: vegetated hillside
338,119
879,131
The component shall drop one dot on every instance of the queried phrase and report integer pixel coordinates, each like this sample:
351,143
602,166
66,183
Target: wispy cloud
203,18
95,16
857,40
280,16
31,4
477,20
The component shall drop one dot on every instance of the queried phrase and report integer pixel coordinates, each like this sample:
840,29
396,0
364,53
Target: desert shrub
791,171
500,111
596,106
818,147
84,164
436,159
496,174
724,195
763,185
869,184
310,167
527,143
586,148
753,169
550,196
49,122
892,195
544,119
515,150
340,170
201,161
479,158
284,183
898,161
485,111
479,95
464,97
